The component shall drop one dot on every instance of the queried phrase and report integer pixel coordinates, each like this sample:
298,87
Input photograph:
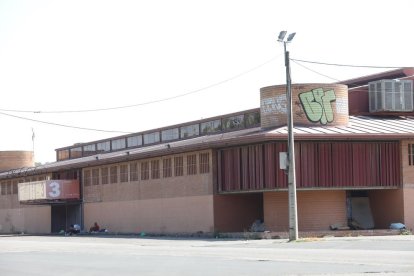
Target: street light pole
293,220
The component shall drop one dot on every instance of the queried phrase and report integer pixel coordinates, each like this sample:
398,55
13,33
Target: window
170,134
87,178
113,174
15,188
252,119
9,187
89,150
144,171
124,172
234,122
211,127
95,176
151,138
155,169
76,152
191,164
189,131
103,146
104,175
411,154
204,162
118,144
134,141
133,171
63,155
3,188
166,168
178,166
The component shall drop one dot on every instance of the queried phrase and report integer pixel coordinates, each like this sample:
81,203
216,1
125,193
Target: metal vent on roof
391,95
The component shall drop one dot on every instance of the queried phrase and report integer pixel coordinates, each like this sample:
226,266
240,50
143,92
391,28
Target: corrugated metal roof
367,125
359,127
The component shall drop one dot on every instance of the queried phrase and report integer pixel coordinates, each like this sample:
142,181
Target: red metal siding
307,176
318,164
342,164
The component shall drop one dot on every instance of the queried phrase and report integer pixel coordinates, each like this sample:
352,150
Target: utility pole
33,145
293,212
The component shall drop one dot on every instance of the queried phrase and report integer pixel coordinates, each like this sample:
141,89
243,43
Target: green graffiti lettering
311,107
327,106
317,105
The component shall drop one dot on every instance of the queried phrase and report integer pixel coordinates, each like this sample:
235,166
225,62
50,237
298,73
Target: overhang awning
48,191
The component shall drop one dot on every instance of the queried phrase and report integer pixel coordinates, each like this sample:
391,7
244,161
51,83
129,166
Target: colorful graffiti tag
317,105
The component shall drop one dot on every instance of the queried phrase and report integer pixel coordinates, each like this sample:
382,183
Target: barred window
76,152
15,187
124,172
104,175
204,162
95,176
151,138
87,178
133,171
113,174
411,154
9,187
191,164
134,141
155,169
63,154
178,166
103,146
118,144
89,150
189,131
144,171
166,167
3,188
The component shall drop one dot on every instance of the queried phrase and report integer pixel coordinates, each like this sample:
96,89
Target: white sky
69,55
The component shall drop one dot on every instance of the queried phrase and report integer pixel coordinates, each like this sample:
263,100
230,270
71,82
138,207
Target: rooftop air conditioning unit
391,95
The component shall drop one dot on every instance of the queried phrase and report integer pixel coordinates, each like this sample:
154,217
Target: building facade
354,147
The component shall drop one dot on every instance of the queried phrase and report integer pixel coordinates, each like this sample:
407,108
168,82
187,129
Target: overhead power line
348,65
316,72
62,125
366,85
149,102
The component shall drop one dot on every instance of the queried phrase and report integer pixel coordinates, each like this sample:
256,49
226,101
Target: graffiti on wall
317,105
277,105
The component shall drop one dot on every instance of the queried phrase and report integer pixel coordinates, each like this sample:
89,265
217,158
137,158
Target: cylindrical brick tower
314,104
15,159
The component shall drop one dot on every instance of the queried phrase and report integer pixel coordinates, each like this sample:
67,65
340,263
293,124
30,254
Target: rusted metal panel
318,165
325,165
48,190
342,164
308,165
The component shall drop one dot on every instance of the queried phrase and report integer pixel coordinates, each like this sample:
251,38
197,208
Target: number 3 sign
54,190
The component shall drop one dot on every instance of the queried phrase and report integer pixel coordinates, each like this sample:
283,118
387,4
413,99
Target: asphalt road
84,255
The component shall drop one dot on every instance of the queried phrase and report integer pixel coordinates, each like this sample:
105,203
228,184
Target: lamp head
290,37
282,35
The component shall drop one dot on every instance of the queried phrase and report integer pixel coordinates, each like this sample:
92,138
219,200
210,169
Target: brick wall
408,184
197,184
387,206
273,105
27,219
236,213
317,210
15,159
163,215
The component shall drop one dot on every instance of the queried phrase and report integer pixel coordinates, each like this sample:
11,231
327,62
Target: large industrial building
354,147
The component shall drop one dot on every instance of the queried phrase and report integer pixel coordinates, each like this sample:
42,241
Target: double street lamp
293,220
